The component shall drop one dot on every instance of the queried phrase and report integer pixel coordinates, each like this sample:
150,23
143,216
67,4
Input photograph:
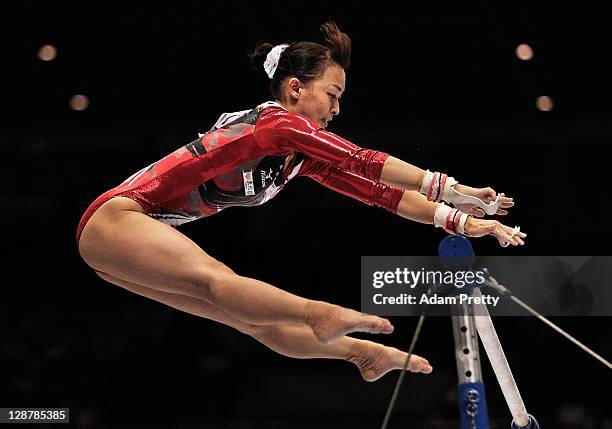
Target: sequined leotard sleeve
278,129
349,184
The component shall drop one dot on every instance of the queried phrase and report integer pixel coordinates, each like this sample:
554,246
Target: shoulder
274,117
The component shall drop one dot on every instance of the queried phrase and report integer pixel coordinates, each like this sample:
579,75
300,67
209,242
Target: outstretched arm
408,204
415,206
440,187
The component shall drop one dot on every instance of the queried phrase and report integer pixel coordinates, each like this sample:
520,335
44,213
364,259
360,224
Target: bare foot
330,322
375,360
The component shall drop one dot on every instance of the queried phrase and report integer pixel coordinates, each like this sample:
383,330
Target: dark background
437,85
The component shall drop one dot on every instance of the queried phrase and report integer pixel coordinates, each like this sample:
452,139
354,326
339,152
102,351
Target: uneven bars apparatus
456,253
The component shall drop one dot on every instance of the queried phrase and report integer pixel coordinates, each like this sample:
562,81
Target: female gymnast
128,235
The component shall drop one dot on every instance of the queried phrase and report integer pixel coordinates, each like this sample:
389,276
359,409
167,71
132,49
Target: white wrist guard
452,220
440,187
436,186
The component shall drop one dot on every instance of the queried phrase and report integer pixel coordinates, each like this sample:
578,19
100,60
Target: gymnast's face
319,100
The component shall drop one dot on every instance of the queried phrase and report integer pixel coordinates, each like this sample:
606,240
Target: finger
513,240
518,236
491,193
502,243
508,230
504,236
506,204
501,212
504,239
506,243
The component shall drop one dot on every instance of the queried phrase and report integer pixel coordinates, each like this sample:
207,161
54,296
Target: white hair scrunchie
272,59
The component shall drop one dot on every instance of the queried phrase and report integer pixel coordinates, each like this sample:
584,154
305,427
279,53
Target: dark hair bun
258,57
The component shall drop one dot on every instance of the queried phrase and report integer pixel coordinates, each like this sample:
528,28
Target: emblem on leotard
267,176
249,186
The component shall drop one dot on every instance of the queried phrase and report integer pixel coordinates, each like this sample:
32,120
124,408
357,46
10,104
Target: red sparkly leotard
241,162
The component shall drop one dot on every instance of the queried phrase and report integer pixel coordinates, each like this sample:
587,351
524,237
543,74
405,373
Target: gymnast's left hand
504,234
487,195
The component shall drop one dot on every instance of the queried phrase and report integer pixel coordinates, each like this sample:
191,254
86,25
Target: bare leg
298,341
122,241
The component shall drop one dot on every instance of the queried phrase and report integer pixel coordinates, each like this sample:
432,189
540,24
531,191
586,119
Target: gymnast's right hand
505,235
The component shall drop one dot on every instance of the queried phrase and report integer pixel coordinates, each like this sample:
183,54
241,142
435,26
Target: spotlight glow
47,53
544,103
79,102
524,52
